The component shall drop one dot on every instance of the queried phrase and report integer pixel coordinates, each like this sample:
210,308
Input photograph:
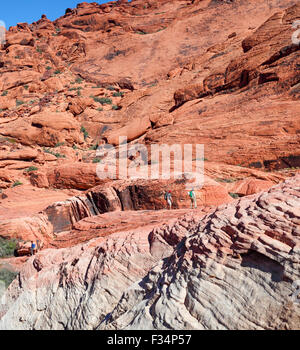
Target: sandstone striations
232,269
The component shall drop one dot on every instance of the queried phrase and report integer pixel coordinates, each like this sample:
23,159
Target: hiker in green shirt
193,199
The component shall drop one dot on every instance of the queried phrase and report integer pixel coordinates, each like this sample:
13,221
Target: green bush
118,94
96,160
103,100
234,195
78,80
4,93
111,88
114,107
31,168
7,276
7,247
10,140
19,102
57,155
17,183
59,144
85,133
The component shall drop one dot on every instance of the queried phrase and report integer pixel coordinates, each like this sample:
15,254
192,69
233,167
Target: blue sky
18,11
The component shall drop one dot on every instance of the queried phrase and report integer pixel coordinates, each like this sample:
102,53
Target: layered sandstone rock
165,72
232,269
102,71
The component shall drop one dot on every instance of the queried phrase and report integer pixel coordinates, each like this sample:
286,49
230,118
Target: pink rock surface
232,269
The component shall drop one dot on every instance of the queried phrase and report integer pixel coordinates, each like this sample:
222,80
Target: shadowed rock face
232,269
116,196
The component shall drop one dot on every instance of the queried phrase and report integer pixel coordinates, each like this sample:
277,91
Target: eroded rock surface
232,269
224,74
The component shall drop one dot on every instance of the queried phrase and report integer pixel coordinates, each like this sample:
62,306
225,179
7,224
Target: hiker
168,198
32,248
193,199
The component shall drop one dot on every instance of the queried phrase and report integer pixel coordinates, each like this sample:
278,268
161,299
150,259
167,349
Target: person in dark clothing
168,198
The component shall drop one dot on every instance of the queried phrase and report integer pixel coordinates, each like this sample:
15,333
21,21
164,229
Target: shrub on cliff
7,276
7,247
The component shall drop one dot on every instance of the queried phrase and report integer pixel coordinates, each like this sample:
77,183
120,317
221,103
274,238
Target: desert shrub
7,247
10,140
7,276
31,168
85,133
19,102
17,183
234,195
114,107
103,100
4,93
57,155
118,94
94,147
201,159
111,88
78,80
97,160
59,144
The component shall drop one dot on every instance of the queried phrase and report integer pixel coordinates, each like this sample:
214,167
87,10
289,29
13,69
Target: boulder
54,84
78,105
14,79
132,131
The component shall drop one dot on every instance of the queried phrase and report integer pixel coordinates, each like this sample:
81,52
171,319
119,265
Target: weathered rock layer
232,269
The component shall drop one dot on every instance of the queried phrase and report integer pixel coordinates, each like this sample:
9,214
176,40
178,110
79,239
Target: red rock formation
232,269
220,73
